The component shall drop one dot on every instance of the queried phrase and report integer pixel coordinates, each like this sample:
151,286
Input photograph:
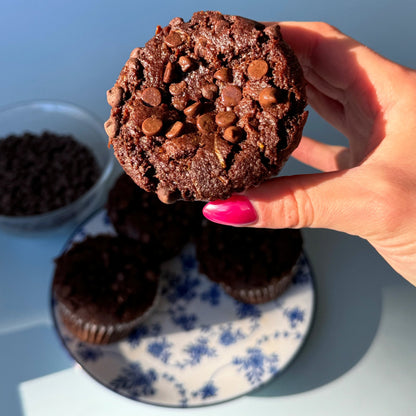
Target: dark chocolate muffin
104,287
252,265
140,215
207,108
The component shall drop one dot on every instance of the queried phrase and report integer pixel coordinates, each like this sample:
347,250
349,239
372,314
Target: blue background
359,358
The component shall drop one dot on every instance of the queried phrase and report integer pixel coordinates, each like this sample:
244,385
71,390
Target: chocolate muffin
104,287
140,215
252,265
207,108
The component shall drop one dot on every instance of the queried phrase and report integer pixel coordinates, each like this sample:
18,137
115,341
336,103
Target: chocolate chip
175,130
206,123
209,91
152,126
233,134
174,39
223,75
42,172
133,63
185,62
268,97
193,109
257,69
165,195
231,95
176,21
158,30
111,127
135,53
177,89
225,118
168,73
152,96
114,96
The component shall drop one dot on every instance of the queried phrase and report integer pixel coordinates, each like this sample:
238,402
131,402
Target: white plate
200,346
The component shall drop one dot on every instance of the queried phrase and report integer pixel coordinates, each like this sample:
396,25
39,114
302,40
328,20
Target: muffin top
207,108
106,280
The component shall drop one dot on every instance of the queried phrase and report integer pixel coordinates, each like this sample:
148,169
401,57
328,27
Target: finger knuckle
326,28
297,209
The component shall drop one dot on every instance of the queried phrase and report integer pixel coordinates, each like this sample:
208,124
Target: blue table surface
359,358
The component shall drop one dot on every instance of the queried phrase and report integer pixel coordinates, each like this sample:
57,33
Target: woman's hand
367,189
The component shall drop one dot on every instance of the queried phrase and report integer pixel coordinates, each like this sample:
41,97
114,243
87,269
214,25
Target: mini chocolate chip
268,96
176,21
152,96
168,74
209,91
114,96
206,123
152,126
165,195
185,62
177,89
135,53
174,39
233,134
231,95
193,109
111,127
132,63
175,130
257,69
225,118
223,75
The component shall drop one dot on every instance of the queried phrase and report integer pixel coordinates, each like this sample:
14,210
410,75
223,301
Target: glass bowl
63,119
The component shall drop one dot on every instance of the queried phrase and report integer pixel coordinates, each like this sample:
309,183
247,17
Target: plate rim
140,399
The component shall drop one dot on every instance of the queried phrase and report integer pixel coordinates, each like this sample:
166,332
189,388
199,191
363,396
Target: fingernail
236,210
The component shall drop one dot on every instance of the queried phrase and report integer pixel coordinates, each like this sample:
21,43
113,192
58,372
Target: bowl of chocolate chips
54,165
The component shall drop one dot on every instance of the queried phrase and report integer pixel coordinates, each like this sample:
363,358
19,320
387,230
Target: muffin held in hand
252,265
207,108
140,215
104,287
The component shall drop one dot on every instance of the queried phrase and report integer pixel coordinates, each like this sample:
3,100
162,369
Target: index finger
329,53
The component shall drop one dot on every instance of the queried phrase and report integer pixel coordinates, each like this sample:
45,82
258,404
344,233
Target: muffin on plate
207,108
140,215
104,287
252,265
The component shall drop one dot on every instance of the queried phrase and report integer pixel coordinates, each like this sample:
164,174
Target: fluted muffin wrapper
98,333
261,294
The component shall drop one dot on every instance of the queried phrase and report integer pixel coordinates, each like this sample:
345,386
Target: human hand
367,189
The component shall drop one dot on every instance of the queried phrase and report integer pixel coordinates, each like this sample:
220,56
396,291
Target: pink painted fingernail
236,210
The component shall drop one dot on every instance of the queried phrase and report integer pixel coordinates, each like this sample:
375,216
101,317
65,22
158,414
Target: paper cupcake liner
261,294
102,334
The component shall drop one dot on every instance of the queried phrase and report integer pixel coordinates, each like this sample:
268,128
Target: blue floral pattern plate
199,346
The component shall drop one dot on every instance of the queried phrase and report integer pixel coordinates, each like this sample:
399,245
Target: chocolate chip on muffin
207,108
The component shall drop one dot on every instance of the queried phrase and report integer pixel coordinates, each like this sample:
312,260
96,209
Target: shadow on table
25,355
347,314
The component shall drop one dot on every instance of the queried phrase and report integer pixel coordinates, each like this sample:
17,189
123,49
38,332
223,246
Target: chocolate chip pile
40,173
207,108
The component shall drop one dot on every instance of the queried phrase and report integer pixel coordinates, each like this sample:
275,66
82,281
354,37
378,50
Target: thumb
335,200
